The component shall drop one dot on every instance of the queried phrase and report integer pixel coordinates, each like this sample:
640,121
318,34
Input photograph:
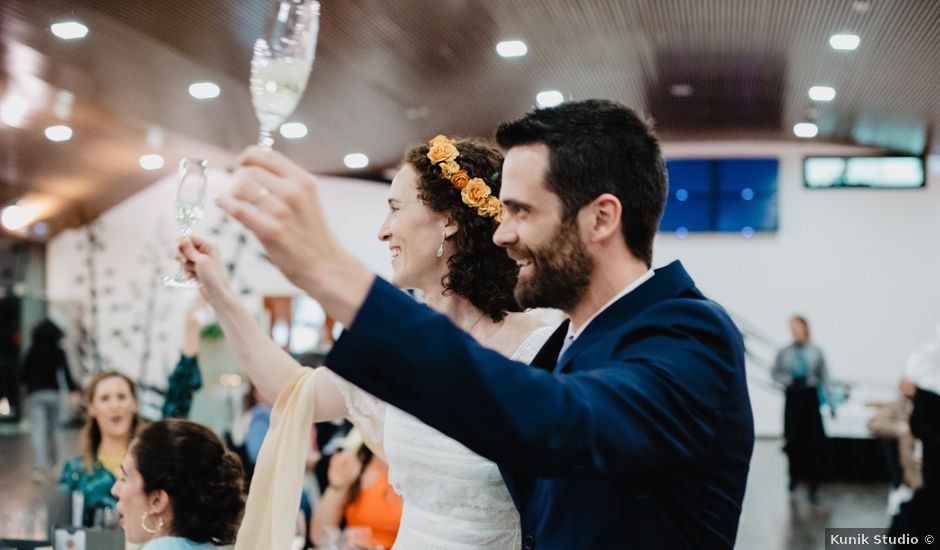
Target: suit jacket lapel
668,282
548,355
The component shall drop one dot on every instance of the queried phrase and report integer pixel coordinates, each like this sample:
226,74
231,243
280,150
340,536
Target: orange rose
460,179
490,208
449,168
475,193
442,152
439,139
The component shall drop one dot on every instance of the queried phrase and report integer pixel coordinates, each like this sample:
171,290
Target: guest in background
358,497
801,368
111,423
45,372
918,516
891,422
180,489
185,378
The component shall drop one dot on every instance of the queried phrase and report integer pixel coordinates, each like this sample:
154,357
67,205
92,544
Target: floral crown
474,192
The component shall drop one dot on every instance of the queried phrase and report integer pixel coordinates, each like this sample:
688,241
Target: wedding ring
262,193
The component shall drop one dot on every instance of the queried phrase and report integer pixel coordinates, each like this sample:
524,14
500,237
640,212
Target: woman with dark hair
443,212
44,369
112,421
180,489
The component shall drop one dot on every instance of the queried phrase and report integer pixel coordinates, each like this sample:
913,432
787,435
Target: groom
634,427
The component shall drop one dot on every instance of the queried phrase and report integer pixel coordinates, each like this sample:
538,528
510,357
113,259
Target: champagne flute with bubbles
281,64
190,195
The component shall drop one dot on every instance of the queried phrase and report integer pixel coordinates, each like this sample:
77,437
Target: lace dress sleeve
365,411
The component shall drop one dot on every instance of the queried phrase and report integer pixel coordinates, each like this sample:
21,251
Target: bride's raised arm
268,366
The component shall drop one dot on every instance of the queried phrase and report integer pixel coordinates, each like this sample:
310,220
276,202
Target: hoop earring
440,249
143,524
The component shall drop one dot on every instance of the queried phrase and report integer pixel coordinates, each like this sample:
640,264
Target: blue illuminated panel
721,195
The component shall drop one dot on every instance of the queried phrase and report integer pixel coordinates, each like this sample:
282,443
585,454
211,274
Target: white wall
137,246
862,265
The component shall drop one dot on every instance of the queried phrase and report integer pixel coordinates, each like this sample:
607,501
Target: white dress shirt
573,335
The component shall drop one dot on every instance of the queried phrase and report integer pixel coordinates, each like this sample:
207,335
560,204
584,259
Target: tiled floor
769,521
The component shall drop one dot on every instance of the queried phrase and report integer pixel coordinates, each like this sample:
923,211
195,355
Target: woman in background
179,489
801,368
358,497
44,371
111,423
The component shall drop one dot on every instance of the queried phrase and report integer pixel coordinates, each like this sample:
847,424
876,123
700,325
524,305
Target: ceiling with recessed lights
169,78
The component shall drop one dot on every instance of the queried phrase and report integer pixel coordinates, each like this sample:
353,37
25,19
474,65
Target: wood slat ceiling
389,74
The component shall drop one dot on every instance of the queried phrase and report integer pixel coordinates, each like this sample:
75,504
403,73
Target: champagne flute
189,208
281,64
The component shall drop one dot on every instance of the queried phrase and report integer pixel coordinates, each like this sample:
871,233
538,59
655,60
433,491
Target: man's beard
559,273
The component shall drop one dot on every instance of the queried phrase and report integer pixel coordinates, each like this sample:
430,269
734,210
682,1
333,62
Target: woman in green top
111,423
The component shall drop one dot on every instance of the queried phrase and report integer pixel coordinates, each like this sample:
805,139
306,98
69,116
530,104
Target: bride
442,214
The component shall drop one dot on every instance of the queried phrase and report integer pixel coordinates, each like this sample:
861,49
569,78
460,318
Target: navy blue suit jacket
639,437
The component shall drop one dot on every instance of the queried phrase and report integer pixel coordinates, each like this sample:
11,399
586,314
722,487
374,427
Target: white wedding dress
452,497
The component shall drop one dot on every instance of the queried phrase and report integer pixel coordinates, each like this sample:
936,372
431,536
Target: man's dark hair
599,146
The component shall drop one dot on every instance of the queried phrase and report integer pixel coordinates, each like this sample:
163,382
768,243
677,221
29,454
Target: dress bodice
453,498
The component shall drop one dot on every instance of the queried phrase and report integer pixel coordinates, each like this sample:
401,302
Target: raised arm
268,366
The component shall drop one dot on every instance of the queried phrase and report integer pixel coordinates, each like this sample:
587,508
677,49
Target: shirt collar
572,335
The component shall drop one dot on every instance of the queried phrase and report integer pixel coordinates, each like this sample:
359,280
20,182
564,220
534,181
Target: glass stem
265,139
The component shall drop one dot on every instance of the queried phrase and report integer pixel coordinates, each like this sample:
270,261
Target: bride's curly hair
478,270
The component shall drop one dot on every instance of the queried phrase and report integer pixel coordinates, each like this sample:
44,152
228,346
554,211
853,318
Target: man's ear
603,217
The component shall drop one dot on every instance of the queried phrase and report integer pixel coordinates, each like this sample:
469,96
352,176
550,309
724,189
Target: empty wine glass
189,208
281,64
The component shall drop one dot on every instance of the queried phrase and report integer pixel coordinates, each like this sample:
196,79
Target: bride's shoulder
523,323
521,327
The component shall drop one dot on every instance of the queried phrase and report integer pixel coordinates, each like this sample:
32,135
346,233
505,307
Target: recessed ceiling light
681,90
822,93
59,133
14,217
152,161
549,98
805,129
69,30
294,130
204,90
511,48
13,111
356,160
844,41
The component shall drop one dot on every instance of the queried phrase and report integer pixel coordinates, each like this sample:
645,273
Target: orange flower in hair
449,168
490,207
460,179
442,151
474,192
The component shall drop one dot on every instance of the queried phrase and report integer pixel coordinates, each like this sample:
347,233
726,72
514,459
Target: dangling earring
143,524
440,249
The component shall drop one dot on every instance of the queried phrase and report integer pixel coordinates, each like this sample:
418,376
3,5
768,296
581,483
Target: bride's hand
201,260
